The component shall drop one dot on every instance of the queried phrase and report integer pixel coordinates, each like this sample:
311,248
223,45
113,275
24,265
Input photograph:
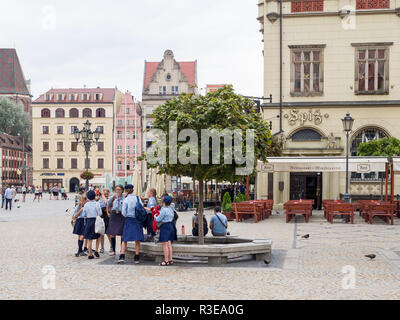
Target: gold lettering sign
295,116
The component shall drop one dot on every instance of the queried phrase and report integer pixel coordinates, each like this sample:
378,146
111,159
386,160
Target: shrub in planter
227,206
240,198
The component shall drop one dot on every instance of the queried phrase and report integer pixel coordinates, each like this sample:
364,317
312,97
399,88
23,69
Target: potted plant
87,175
227,207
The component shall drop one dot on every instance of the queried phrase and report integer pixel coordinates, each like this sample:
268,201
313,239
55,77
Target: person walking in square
90,211
3,198
37,194
8,195
117,220
133,230
23,190
167,230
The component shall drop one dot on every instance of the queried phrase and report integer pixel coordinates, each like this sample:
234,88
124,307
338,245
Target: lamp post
87,138
348,122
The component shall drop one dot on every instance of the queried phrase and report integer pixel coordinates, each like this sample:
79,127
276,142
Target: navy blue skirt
116,224
79,228
90,233
167,232
133,231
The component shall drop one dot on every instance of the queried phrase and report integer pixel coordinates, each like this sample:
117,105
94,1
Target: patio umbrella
152,179
137,181
160,185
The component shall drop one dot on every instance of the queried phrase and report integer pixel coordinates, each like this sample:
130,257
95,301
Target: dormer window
60,97
49,96
85,96
98,96
72,97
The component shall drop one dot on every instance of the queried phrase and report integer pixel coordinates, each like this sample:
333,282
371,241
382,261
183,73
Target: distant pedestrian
23,190
50,190
37,194
55,192
63,193
8,194
218,223
3,199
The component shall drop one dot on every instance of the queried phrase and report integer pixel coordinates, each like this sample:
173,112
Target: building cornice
394,103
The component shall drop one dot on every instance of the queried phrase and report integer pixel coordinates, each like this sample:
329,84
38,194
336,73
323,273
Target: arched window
100,113
60,113
45,113
306,135
87,113
365,135
74,113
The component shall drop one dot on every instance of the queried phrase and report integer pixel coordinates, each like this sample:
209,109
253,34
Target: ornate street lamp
348,122
87,138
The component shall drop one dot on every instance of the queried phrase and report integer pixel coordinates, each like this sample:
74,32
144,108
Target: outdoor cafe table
297,207
378,208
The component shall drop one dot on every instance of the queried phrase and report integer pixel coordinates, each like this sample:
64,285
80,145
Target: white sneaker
112,253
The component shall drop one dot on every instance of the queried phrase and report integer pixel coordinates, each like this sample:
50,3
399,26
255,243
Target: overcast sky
104,43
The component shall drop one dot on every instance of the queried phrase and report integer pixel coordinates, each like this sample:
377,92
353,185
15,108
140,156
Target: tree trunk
201,214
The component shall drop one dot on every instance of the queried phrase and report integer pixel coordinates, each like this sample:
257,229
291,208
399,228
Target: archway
74,185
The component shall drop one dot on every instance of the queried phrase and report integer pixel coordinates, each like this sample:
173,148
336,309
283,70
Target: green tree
13,119
380,148
227,203
219,110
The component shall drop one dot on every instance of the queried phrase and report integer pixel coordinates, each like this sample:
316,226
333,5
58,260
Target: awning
97,181
324,164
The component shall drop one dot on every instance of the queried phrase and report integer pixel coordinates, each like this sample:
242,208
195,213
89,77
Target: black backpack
196,227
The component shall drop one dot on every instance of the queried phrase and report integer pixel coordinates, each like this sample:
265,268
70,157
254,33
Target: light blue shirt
8,194
166,215
129,206
218,227
116,205
76,211
102,203
152,203
91,210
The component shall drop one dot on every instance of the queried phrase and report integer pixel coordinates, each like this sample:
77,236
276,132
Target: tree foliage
380,148
227,203
13,119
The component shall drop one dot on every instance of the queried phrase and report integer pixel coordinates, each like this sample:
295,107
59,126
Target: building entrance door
74,185
307,186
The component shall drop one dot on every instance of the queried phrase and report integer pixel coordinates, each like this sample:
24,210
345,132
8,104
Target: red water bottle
183,230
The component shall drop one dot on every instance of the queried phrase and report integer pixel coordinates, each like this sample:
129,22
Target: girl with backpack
117,220
167,231
133,229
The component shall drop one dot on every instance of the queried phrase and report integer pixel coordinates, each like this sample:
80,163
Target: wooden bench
384,211
244,209
327,204
292,210
343,209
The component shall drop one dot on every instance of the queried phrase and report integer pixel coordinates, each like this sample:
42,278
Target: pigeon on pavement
371,256
306,236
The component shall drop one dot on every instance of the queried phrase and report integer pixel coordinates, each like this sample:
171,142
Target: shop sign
296,117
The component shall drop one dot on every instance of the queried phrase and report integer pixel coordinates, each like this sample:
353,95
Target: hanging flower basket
87,175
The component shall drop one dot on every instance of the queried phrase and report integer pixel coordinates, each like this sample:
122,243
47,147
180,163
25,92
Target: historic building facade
57,158
128,136
322,59
16,161
12,81
163,81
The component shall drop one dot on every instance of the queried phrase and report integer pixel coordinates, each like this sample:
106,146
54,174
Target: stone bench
217,250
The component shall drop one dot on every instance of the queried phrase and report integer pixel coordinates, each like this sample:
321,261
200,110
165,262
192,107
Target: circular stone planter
217,250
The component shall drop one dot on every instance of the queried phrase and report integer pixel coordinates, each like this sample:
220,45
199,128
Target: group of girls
118,212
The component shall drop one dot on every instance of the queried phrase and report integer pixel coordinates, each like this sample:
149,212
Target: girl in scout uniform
167,231
79,227
105,215
151,194
90,211
117,220
133,231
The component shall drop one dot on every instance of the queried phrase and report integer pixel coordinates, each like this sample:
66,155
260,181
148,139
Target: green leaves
380,148
13,119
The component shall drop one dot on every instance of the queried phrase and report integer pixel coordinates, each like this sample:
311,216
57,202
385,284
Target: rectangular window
60,130
133,134
128,150
175,90
45,163
120,122
306,71
372,70
60,97
307,5
134,149
100,146
127,122
74,163
119,149
100,163
128,165
73,129
372,4
45,130
60,146
45,146
127,134
163,90
127,111
100,129
60,163
98,96
74,146
119,134
119,165
85,96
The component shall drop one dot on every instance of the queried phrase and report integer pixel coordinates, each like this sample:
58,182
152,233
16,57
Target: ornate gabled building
322,59
12,81
163,81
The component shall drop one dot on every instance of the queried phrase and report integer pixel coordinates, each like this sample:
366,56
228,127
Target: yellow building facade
322,60
57,159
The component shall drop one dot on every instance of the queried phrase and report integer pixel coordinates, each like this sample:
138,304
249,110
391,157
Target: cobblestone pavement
37,235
